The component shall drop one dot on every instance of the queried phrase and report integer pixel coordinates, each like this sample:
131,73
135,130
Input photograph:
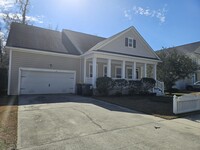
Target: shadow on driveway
66,98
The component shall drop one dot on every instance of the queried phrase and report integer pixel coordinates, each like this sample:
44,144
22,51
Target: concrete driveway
68,122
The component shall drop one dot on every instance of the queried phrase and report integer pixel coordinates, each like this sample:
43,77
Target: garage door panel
40,82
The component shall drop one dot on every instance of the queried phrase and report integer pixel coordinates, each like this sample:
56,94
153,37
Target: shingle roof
82,41
67,42
186,48
31,37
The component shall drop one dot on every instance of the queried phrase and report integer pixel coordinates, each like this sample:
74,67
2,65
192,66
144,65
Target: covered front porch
117,67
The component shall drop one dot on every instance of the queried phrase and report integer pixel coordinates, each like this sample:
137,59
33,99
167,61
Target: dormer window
130,42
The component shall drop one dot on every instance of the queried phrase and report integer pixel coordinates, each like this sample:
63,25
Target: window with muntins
91,70
129,72
130,42
105,71
118,72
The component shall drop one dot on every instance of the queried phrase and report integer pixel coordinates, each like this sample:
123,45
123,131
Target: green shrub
147,84
120,83
134,86
103,85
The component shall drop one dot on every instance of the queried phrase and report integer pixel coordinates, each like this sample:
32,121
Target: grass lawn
8,122
160,106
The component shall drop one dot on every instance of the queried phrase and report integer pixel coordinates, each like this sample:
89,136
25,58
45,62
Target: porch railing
160,85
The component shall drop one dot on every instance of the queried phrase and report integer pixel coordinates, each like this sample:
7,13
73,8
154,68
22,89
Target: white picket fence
186,103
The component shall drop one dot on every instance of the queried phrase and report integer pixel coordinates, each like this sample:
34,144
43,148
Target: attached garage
46,81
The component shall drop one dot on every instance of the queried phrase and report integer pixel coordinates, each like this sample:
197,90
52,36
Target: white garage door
37,81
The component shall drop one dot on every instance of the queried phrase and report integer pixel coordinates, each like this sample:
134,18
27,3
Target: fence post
175,104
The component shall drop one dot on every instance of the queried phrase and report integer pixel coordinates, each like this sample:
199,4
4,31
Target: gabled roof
31,37
99,46
82,42
187,49
36,38
66,42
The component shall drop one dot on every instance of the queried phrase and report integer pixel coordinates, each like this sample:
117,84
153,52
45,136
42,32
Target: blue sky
162,23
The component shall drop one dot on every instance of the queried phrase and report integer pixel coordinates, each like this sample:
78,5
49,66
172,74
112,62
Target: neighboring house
43,61
191,50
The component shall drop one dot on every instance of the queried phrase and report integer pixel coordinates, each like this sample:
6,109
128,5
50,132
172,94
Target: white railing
160,85
186,103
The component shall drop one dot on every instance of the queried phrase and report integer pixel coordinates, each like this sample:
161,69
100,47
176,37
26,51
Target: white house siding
118,45
32,60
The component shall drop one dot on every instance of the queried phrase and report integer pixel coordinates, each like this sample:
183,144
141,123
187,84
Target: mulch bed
160,106
8,122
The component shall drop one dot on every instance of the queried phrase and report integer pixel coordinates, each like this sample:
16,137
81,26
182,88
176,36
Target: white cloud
9,6
6,4
37,19
127,14
159,14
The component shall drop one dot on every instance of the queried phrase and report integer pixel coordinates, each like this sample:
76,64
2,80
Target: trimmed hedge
105,84
120,83
147,84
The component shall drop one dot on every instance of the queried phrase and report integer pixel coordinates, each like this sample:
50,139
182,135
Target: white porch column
123,69
109,68
84,71
134,71
155,71
145,70
94,71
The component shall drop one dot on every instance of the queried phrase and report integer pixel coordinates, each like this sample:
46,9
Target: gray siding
118,45
31,60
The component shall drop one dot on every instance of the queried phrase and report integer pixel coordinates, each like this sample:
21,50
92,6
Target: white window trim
90,64
105,66
116,67
127,72
130,38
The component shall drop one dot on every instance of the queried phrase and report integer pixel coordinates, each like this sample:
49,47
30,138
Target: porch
117,68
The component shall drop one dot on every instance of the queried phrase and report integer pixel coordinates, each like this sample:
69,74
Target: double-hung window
118,72
105,71
129,73
91,70
130,42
